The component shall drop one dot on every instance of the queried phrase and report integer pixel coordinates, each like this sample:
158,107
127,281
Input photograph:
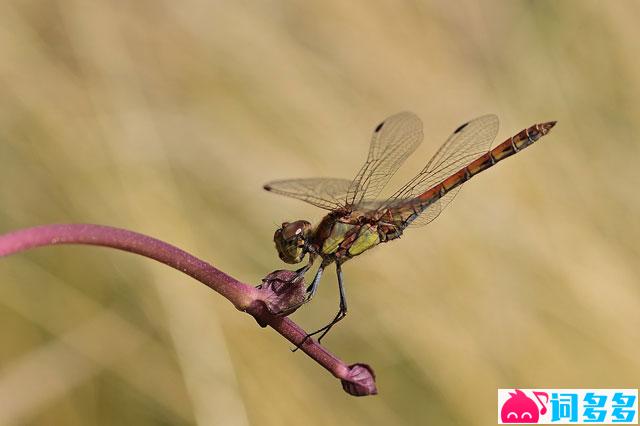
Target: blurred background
167,117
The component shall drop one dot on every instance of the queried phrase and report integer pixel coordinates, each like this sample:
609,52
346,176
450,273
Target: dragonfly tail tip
545,127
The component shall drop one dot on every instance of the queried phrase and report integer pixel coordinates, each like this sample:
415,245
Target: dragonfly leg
300,272
311,290
342,312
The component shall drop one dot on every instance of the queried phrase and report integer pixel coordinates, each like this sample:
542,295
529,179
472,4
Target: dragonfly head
292,240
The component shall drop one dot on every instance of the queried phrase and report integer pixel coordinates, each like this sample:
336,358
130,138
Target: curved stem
357,379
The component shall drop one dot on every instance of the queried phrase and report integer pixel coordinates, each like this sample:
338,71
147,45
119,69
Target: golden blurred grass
167,117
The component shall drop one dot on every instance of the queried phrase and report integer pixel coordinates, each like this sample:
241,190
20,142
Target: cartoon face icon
519,408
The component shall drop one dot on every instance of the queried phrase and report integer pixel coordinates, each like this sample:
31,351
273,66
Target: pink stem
357,379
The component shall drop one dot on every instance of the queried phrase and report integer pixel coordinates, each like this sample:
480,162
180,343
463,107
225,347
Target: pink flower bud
360,381
281,293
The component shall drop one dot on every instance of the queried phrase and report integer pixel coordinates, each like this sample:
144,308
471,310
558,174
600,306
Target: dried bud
360,381
282,293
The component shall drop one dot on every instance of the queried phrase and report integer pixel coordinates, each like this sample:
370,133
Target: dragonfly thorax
292,240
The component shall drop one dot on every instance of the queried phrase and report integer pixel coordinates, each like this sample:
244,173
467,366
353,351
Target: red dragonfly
358,221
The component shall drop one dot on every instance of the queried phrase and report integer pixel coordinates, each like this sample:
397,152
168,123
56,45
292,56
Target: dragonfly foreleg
300,272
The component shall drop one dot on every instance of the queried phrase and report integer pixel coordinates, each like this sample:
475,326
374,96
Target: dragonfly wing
403,208
434,210
466,143
392,142
326,193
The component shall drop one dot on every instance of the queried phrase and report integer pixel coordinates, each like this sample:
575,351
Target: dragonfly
357,220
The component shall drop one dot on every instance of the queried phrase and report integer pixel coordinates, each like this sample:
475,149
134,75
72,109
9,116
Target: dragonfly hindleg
342,312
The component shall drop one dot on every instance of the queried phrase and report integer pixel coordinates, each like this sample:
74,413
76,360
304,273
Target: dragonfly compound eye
291,240
295,230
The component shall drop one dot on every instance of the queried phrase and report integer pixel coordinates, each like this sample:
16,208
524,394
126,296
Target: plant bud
282,293
360,381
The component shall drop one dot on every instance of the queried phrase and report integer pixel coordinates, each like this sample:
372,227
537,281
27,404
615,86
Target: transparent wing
468,142
392,142
326,193
403,208
434,210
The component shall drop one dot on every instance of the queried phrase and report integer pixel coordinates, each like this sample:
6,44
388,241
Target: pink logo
519,408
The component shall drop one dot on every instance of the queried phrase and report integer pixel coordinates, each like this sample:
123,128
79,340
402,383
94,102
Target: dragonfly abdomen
506,149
